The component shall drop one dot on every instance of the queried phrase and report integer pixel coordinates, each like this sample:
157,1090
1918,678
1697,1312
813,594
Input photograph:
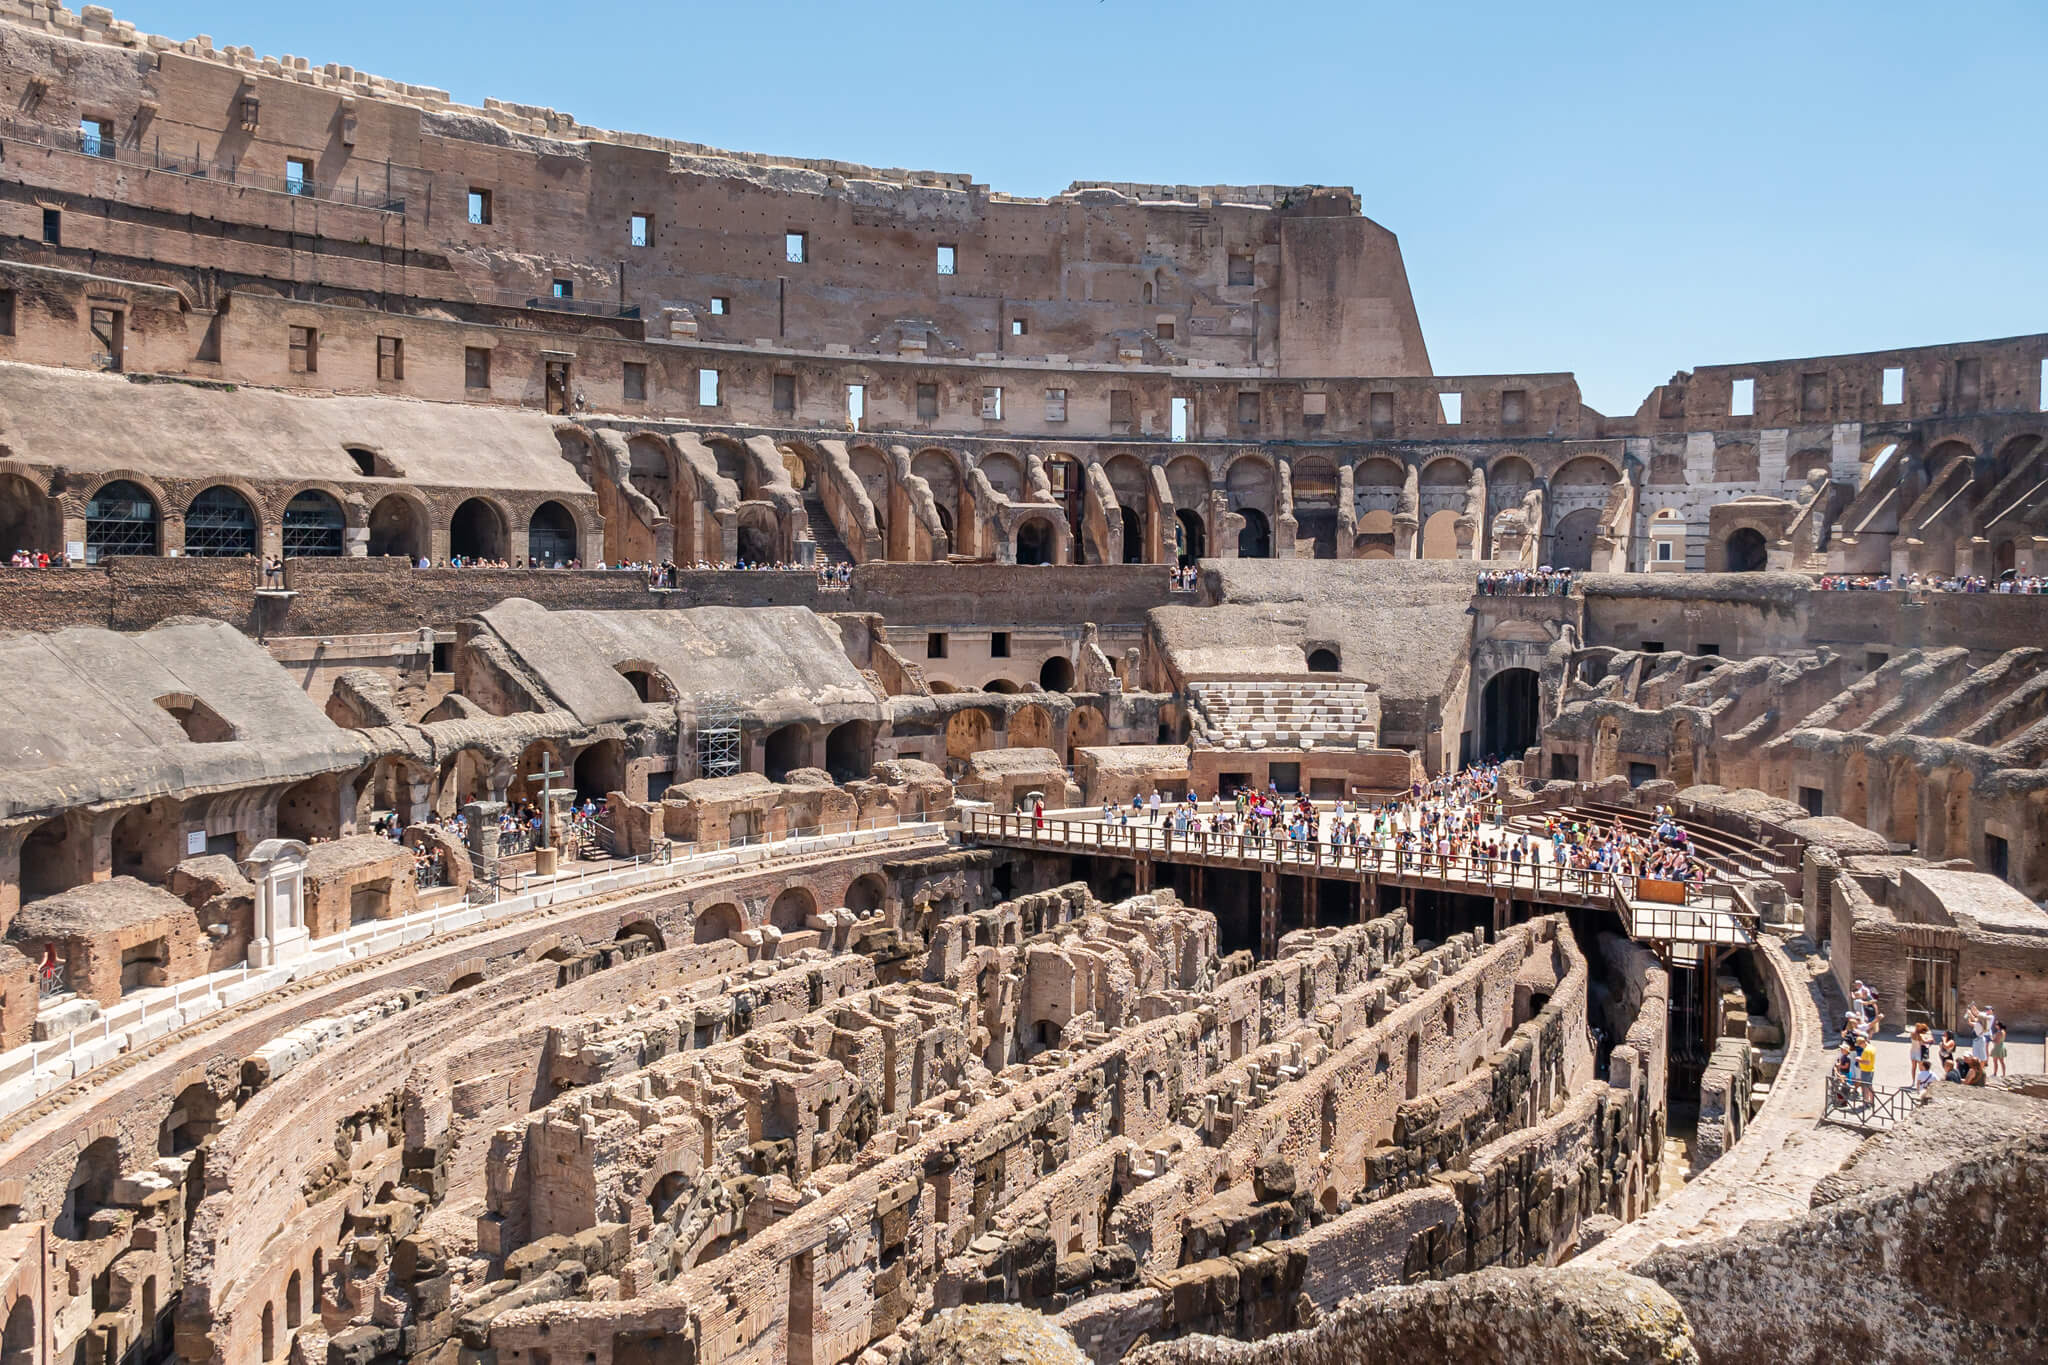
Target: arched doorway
313,526
1030,727
1056,674
219,525
395,528
864,897
1323,661
1191,542
792,910
45,864
1255,541
121,519
18,1343
1134,536
756,538
717,923
1440,534
600,770
1507,713
1571,547
846,751
966,733
1747,552
551,536
29,520
1035,542
784,750
476,531
1086,727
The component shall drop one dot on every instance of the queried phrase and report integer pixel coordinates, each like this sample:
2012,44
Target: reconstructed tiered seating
1284,714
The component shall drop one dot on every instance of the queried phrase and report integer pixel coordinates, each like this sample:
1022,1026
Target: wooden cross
547,804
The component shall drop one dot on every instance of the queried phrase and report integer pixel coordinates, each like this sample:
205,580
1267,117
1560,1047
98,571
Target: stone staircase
831,547
1284,714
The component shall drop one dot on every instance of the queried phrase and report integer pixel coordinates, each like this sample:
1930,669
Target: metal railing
1846,1105
50,981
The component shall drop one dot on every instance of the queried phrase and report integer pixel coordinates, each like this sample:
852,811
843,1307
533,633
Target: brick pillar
1269,913
482,818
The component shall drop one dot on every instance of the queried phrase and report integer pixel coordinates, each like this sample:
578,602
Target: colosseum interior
582,779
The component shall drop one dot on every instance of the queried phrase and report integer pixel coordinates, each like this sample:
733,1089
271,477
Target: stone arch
122,517
718,922
1746,551
784,750
1056,674
18,1340
643,929
1508,713
144,841
1571,542
89,1188
551,535
2013,453
1249,485
967,732
1324,661
1086,727
1003,685
313,526
1191,537
1375,537
398,526
30,519
1735,462
477,530
220,522
649,683
47,864
730,457
1005,474
294,1295
1440,534
1315,503
1255,538
866,893
759,535
1031,727
1134,534
848,750
941,472
1903,824
600,770
793,909
1036,541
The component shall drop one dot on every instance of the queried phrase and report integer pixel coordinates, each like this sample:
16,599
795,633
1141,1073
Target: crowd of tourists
1539,582
1185,576
2032,584
1440,824
38,559
1930,1059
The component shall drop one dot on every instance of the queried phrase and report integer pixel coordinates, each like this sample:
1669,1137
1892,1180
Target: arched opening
1440,534
1056,674
600,770
313,526
269,1331
1031,727
219,524
792,910
1191,542
465,982
121,519
46,860
1069,490
846,751
89,1188
718,923
1508,713
551,536
1035,542
294,1291
642,929
784,750
476,531
1003,685
143,842
1255,541
647,684
1315,505
665,1193
193,1118
1375,538
396,529
966,733
865,895
756,539
1134,536
29,519
1571,545
1324,661
1747,552
1085,728
2005,558
18,1342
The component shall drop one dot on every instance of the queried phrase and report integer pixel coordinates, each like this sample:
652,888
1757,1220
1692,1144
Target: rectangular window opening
784,393
707,388
641,231
1742,398
1514,407
1709,647
1653,646
1380,414
479,206
720,305
1056,406
6,312
935,645
1664,550
53,227
999,644
476,367
1182,418
634,382
856,404
1812,799
1019,327
1120,411
1894,385
564,289
1240,268
1454,408
1998,857
948,258
390,358
991,403
1248,409
1164,327
96,136
927,402
298,175
305,350
2041,401
796,247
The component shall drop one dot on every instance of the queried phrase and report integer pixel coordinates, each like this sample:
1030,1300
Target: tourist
1866,1072
1998,1047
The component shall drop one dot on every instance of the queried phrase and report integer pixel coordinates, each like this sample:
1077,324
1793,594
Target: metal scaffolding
718,734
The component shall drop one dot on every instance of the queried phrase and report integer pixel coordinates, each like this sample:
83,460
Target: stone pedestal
278,868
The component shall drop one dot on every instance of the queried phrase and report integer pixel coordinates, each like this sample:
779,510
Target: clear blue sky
1619,190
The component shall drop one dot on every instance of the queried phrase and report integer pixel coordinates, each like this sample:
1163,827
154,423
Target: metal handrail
1884,1109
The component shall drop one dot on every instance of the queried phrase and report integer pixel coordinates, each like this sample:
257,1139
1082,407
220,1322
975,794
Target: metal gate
1931,988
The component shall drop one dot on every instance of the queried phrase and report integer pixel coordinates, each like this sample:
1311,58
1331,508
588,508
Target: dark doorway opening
1507,713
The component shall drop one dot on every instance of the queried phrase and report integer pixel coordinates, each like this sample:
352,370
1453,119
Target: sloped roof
80,723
